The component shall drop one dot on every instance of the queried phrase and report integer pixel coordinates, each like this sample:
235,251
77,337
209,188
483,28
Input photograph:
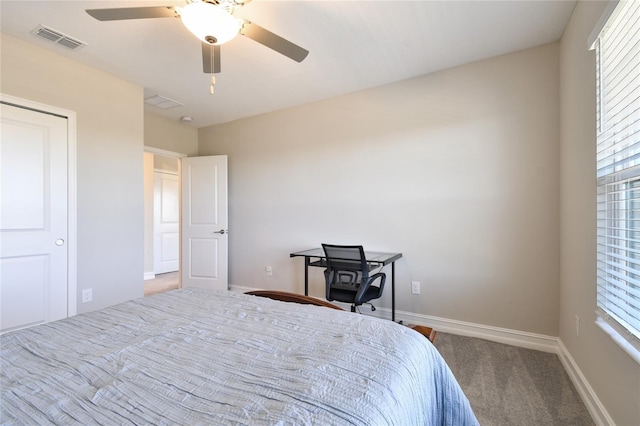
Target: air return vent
162,102
57,37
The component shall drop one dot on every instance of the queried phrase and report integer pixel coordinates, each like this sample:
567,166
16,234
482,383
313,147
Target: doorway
203,219
162,220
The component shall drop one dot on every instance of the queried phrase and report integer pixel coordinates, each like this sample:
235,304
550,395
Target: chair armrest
364,286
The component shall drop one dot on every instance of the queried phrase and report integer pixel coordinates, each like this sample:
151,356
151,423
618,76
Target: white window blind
618,171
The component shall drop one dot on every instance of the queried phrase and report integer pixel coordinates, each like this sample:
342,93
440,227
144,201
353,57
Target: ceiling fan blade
267,38
210,58
133,13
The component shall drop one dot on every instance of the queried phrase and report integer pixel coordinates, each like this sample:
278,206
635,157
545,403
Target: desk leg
307,260
393,291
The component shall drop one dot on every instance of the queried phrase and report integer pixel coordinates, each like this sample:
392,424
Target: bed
193,356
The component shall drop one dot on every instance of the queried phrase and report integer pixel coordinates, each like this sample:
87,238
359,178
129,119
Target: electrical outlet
269,270
87,295
577,325
415,287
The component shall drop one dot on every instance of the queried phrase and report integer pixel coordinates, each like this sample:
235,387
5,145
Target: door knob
222,231
59,242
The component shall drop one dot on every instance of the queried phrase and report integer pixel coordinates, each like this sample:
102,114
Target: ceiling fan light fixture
210,23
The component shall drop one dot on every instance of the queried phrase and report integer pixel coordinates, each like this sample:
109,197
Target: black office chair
347,276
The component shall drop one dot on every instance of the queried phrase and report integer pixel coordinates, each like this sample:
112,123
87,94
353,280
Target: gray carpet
507,385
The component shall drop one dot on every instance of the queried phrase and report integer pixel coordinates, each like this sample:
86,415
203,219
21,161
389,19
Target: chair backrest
349,258
346,267
347,276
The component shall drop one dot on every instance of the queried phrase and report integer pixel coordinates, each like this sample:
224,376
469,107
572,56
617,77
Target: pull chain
213,77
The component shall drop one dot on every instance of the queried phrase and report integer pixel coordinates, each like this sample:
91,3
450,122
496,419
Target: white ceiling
353,45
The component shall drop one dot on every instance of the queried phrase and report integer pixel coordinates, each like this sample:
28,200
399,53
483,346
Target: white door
166,226
33,217
204,222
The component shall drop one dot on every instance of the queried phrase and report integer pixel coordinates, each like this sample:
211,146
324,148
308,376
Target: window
618,171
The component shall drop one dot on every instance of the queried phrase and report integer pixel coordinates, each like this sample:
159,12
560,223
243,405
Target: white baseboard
591,401
521,339
149,276
517,338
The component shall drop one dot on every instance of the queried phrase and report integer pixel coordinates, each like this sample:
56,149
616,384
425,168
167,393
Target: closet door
166,222
33,217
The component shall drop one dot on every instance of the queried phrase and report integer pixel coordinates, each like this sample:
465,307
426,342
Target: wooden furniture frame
293,297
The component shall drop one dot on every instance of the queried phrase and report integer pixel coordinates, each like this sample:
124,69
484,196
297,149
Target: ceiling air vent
161,102
57,37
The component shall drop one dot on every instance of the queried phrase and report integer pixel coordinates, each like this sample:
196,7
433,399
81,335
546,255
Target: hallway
162,283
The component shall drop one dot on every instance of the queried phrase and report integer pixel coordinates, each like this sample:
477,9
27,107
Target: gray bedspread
194,357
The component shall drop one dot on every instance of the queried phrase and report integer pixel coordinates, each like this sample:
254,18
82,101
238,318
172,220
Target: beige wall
109,163
169,135
614,376
457,170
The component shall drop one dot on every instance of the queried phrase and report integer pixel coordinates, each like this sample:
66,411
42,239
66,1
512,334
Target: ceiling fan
212,21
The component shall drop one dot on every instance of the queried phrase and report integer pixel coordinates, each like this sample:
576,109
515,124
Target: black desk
373,257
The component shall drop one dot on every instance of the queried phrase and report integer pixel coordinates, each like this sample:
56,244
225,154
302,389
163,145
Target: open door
204,222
